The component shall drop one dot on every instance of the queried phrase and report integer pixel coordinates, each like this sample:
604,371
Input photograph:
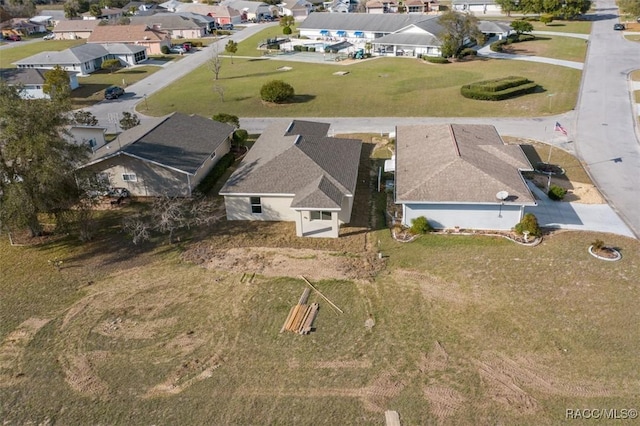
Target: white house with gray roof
296,173
31,81
460,175
390,34
85,58
163,156
176,25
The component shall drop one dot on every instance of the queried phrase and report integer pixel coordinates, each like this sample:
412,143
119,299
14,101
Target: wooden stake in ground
323,296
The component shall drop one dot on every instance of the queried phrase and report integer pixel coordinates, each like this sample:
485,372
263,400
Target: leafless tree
219,90
215,62
138,228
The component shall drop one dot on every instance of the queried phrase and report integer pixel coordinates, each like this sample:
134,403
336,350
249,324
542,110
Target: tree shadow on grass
301,99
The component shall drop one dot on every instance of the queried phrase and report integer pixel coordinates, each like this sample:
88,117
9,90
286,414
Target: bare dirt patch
578,192
80,375
436,360
443,401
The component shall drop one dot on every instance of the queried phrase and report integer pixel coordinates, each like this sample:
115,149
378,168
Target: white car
49,36
177,49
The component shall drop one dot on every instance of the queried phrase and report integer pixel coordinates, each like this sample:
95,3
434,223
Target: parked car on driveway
227,27
618,27
49,36
113,92
13,37
177,49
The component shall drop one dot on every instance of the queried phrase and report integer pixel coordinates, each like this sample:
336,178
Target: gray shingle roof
73,55
458,163
383,23
409,39
181,142
494,27
298,159
167,21
26,76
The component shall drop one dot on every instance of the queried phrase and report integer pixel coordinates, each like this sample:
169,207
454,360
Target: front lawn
556,47
378,87
10,55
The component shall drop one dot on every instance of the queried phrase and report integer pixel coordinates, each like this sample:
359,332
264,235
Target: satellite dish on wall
502,195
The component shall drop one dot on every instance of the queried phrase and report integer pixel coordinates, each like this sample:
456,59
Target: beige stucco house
139,34
74,29
294,172
460,175
166,156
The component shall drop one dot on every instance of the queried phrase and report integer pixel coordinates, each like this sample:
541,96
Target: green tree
240,136
520,26
532,6
458,30
276,91
36,161
287,31
129,120
572,8
84,118
231,48
287,21
227,118
95,10
507,6
630,7
546,18
57,84
111,65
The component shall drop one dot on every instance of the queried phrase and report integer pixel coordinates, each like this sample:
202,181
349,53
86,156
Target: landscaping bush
111,65
468,52
556,192
312,49
165,50
499,89
529,223
420,225
436,59
287,30
546,19
597,245
276,91
305,48
273,46
526,37
297,48
197,44
496,46
206,185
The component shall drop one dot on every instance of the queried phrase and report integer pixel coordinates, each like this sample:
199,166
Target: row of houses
296,172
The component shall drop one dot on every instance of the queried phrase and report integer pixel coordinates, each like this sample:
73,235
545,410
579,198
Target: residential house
31,81
56,15
294,172
44,20
340,6
299,9
177,26
74,29
225,15
477,7
110,14
495,28
249,10
381,6
390,34
85,58
460,176
420,6
205,21
141,35
24,26
140,8
163,156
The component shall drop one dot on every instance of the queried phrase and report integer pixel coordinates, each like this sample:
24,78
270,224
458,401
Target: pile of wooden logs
301,316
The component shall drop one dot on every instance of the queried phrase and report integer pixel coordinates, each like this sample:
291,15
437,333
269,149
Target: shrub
227,118
312,49
496,46
420,225
297,48
216,172
165,50
499,89
111,65
274,46
287,30
597,245
529,223
276,91
546,19
468,52
436,59
305,48
197,44
556,192
526,37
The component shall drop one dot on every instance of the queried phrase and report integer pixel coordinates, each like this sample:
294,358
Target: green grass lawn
578,27
380,87
565,48
8,56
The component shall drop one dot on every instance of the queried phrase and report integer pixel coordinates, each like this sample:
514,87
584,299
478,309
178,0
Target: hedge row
301,48
206,185
436,59
499,84
497,46
481,95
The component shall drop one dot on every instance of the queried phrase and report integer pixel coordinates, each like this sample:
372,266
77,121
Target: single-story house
45,20
106,14
24,26
340,6
94,136
477,7
294,172
249,10
225,15
495,28
205,21
74,29
460,175
32,81
421,6
177,26
85,58
141,35
390,34
139,8
299,9
163,156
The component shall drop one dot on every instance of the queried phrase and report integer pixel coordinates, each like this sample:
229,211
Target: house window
256,205
129,177
92,143
319,215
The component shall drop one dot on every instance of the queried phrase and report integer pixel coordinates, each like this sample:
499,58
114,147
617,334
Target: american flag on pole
560,129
